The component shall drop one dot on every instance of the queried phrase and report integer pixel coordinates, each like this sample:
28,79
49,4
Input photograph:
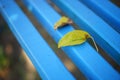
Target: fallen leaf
62,22
75,37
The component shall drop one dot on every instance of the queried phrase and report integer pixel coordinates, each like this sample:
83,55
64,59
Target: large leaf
73,38
62,22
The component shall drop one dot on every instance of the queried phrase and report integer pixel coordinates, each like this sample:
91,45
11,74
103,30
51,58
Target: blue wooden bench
101,18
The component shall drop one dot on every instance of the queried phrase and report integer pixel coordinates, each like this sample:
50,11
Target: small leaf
62,22
73,38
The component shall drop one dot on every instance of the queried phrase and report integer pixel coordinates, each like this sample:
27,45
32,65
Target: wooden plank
44,59
84,56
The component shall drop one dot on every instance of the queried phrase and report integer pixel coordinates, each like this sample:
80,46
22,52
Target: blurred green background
14,64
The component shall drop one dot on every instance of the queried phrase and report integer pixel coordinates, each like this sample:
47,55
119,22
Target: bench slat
44,59
106,10
103,34
84,56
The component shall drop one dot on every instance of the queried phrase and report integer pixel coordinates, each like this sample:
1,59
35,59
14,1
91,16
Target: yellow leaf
73,38
62,22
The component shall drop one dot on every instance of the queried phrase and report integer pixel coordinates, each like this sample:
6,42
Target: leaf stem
94,43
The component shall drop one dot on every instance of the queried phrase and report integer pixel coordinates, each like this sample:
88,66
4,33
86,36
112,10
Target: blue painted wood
103,34
44,59
106,10
93,66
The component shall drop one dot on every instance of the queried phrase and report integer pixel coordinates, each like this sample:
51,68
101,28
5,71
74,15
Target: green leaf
73,38
62,22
